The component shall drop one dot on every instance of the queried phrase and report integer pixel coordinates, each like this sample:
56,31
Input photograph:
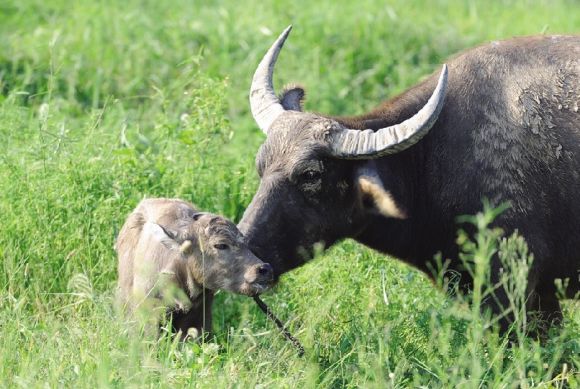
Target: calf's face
214,254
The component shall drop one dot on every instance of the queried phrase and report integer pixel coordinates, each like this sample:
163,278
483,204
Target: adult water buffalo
501,122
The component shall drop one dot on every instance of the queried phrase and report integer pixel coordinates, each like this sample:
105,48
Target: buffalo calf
172,258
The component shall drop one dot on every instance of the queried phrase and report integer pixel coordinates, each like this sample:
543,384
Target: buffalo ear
373,195
292,98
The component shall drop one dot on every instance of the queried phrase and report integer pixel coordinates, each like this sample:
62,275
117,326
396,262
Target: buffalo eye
221,246
311,175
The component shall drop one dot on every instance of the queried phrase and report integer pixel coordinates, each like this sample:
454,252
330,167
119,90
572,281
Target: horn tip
444,71
286,31
442,82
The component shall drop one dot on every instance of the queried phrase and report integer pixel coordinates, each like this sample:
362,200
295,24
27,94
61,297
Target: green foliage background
105,102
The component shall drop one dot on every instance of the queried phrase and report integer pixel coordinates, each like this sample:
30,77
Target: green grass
105,102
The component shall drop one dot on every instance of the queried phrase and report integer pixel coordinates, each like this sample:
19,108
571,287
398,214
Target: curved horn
264,103
356,144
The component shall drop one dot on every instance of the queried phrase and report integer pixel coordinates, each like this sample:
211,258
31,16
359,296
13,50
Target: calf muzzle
260,275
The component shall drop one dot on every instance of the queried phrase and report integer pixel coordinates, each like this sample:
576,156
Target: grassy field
105,102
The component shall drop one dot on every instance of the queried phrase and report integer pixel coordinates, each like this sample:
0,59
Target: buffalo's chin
287,258
283,266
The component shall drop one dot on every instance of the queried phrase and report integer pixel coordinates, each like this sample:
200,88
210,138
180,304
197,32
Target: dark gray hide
509,130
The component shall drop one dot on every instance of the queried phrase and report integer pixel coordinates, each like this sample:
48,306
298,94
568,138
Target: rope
280,325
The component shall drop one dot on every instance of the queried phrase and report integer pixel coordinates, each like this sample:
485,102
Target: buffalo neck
407,177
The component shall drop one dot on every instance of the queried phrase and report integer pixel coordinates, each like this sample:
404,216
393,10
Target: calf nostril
265,269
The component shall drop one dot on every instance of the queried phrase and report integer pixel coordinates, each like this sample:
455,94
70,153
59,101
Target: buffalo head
311,192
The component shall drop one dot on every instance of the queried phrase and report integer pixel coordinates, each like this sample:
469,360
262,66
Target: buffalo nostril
265,270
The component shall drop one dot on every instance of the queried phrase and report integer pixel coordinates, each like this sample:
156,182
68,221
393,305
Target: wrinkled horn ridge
356,144
264,103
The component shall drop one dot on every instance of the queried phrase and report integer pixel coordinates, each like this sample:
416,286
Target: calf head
214,255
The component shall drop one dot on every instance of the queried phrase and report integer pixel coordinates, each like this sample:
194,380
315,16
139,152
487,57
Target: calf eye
221,246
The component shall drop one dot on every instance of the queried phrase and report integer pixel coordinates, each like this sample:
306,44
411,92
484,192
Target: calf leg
197,320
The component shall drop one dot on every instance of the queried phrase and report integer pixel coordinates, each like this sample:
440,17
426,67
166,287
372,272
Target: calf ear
161,234
198,215
373,195
170,234
186,247
292,98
